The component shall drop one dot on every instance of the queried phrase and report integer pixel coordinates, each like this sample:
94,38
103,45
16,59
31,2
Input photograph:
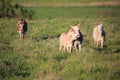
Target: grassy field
37,58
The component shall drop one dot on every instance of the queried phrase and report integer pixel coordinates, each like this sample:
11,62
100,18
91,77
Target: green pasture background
38,58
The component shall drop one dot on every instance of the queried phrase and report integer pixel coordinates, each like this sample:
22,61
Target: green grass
37,58
76,12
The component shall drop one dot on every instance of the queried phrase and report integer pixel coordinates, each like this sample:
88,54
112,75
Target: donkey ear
72,30
71,26
79,24
25,20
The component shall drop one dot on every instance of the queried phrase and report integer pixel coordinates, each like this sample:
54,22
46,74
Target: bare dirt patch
108,3
49,76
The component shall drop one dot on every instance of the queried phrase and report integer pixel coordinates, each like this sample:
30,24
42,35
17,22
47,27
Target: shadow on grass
117,50
99,50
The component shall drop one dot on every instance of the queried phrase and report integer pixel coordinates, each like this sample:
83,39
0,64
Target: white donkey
99,35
